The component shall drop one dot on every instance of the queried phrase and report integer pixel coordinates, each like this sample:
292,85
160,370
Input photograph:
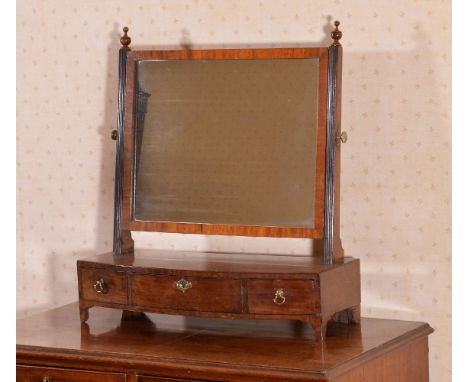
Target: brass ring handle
45,379
183,285
101,286
341,137
279,298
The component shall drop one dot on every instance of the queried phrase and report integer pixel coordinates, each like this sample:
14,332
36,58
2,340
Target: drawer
283,297
142,378
103,285
49,374
201,294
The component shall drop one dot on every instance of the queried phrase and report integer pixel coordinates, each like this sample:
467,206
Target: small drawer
283,297
49,374
103,285
186,293
143,378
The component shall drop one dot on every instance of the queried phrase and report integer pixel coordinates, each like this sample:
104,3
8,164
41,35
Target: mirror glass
226,141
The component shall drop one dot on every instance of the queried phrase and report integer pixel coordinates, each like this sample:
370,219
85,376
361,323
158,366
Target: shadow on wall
105,205
186,42
62,281
378,287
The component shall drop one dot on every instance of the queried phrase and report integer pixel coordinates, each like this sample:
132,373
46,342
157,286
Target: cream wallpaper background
396,170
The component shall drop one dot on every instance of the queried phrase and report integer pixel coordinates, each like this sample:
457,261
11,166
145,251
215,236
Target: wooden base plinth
243,286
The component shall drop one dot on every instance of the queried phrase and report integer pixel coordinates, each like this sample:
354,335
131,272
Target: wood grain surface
205,294
300,296
115,281
49,374
254,264
224,285
223,350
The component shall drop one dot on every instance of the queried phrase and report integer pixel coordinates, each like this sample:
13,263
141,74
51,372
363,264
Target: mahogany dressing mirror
226,142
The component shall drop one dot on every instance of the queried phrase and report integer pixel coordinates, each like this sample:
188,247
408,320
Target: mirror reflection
226,141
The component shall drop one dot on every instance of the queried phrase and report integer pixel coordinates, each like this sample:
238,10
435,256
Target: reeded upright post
142,104
332,243
123,242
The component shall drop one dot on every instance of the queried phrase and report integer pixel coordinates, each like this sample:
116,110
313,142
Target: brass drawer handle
45,379
279,298
183,285
100,286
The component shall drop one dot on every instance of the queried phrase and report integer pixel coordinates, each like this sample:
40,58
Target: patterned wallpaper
396,171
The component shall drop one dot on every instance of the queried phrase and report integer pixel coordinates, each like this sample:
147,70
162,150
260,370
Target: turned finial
336,34
125,40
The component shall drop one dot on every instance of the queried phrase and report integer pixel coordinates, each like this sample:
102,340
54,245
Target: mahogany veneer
222,285
153,348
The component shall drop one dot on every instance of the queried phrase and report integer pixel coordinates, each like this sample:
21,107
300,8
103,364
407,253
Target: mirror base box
236,286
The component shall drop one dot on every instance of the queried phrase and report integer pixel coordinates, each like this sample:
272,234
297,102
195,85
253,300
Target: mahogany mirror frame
326,217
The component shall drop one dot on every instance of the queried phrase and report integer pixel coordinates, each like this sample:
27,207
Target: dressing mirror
226,142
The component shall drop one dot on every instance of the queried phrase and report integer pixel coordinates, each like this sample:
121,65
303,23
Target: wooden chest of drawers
276,287
55,347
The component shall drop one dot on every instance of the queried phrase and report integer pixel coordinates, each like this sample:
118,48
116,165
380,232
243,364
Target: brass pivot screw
114,135
341,137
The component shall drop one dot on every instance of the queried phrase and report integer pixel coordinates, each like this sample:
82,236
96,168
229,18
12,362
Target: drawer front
202,294
142,378
103,285
283,297
46,374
